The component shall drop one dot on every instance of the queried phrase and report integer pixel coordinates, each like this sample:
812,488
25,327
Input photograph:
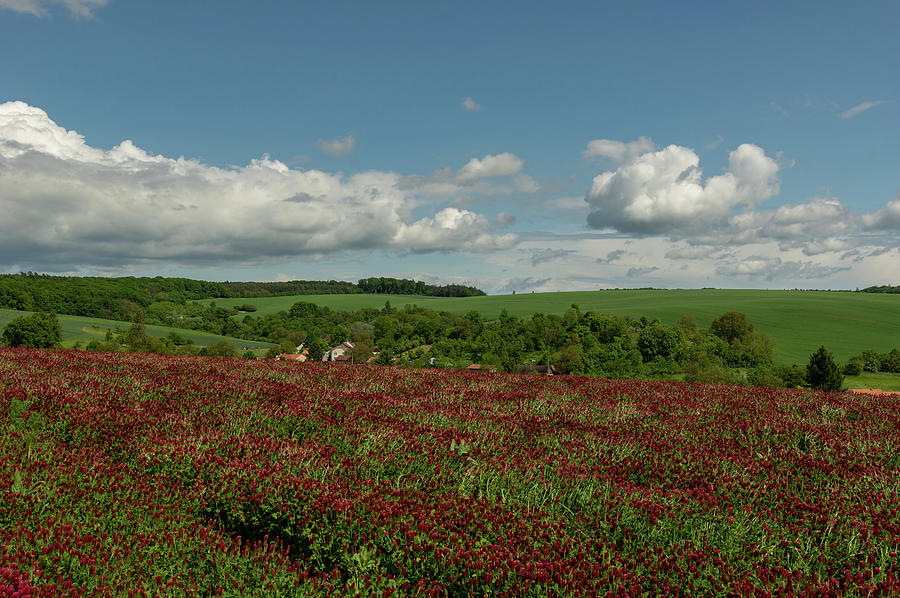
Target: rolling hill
845,322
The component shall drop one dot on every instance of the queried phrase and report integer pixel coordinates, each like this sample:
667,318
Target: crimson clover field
130,474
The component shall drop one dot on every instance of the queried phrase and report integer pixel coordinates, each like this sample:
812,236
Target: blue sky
572,145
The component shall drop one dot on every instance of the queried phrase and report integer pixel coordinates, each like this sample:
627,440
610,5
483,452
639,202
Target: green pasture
799,321
81,329
881,380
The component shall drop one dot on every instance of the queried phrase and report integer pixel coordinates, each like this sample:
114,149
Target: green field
845,322
881,380
81,329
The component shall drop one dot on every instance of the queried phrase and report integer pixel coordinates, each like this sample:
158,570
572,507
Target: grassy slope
799,321
882,380
78,328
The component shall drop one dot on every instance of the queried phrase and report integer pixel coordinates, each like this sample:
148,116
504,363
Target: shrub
219,349
792,375
890,362
764,376
871,360
712,374
854,367
37,330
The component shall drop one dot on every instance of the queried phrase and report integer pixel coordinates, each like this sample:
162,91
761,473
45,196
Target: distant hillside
119,298
80,330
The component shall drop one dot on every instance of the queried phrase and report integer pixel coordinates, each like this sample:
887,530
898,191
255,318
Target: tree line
885,288
119,298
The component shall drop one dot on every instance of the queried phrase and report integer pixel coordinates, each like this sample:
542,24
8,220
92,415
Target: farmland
799,321
148,474
80,329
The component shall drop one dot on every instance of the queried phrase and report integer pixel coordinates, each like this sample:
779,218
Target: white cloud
471,105
617,150
887,218
452,229
67,203
490,166
664,192
819,217
860,108
41,8
338,147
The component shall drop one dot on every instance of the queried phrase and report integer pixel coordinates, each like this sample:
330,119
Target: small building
345,349
298,357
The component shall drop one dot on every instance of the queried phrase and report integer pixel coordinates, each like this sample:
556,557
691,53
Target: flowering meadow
131,474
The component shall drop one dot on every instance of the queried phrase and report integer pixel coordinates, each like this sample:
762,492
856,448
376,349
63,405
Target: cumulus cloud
888,218
817,218
41,8
490,166
474,177
452,229
617,150
65,202
664,192
471,105
860,108
338,147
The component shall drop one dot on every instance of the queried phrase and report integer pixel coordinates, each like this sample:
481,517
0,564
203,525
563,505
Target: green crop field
84,330
881,380
845,322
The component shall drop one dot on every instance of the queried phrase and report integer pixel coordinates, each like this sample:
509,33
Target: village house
301,355
340,353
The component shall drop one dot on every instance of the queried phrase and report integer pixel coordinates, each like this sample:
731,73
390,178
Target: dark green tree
37,330
731,326
823,372
317,348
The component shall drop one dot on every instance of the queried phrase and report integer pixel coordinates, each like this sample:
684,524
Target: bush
764,376
871,360
823,372
712,374
854,367
890,362
792,375
219,349
37,330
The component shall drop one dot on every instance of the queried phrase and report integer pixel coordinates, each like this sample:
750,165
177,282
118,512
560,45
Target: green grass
882,380
81,329
845,322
